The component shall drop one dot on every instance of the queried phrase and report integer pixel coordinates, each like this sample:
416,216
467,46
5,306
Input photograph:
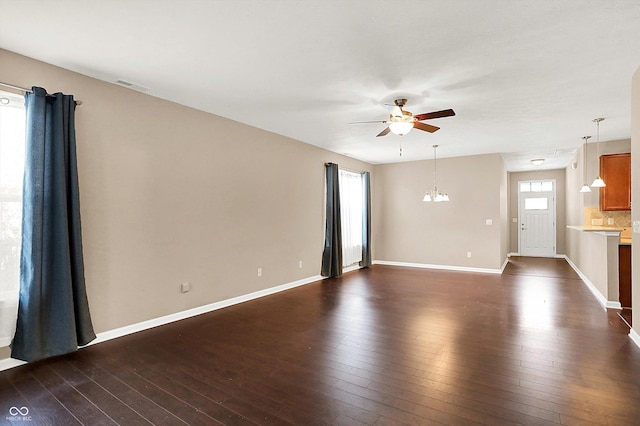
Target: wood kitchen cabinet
624,275
615,170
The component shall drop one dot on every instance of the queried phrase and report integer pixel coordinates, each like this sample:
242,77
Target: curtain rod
24,89
347,169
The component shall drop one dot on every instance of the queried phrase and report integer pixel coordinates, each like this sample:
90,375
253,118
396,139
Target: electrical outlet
185,287
259,272
468,254
636,226
488,221
610,221
300,264
514,219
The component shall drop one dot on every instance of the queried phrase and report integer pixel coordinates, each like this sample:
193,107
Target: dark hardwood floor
381,346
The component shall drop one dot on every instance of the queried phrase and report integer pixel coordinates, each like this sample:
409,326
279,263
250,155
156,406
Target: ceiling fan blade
426,127
368,122
435,114
384,132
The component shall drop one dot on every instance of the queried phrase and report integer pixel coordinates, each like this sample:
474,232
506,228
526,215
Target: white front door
537,218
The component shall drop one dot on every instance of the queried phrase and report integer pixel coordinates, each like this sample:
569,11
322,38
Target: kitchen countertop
596,228
626,240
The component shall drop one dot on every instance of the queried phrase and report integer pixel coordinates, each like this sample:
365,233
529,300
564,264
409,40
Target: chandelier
435,194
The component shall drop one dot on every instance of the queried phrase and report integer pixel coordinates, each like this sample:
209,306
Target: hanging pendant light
434,194
585,187
598,182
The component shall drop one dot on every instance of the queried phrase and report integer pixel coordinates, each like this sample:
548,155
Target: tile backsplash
593,216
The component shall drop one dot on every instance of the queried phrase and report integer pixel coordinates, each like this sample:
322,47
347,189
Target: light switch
488,222
636,226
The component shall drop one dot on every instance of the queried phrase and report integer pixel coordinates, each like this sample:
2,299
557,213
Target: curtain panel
332,253
53,310
366,220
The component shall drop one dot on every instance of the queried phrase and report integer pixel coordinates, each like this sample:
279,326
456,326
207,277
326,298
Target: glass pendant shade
585,188
435,196
598,183
400,128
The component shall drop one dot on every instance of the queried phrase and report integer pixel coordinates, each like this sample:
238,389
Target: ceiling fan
401,121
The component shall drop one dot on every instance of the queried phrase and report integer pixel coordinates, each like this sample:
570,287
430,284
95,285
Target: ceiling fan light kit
401,121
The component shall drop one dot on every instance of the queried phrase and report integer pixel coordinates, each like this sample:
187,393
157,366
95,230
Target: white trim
555,256
8,363
635,337
504,265
614,305
350,268
445,267
603,302
144,325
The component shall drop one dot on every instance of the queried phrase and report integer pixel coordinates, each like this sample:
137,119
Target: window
536,186
351,216
12,151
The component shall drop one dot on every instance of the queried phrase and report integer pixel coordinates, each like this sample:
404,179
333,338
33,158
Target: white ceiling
525,77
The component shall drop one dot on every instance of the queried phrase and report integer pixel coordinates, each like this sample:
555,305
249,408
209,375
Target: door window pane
536,203
546,186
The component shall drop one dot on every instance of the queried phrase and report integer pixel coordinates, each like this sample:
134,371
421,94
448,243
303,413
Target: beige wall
595,254
575,200
559,176
635,188
412,231
171,194
504,214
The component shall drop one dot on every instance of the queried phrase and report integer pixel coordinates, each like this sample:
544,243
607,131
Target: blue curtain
366,220
332,253
53,311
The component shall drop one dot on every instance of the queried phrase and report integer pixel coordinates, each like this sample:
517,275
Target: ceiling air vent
133,86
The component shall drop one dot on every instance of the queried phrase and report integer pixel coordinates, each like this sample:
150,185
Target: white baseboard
445,267
504,265
599,297
8,363
134,328
635,337
614,305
